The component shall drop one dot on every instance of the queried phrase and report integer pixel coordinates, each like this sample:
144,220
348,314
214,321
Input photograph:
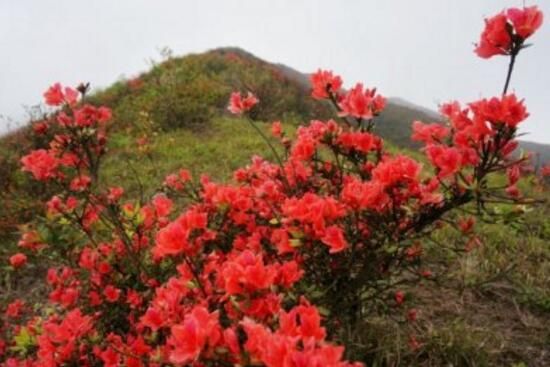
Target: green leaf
295,242
23,341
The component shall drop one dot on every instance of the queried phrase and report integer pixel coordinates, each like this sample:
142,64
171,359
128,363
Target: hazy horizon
419,51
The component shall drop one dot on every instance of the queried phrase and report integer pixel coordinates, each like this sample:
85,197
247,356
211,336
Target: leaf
295,242
23,341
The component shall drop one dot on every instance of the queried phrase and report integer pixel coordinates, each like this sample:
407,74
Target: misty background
421,51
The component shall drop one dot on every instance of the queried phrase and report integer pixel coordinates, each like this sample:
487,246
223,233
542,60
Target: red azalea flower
361,103
80,183
506,110
199,329
114,194
412,314
526,21
429,133
163,205
334,238
239,105
54,95
399,297
447,159
15,309
40,163
276,129
40,128
111,293
323,82
18,260
495,38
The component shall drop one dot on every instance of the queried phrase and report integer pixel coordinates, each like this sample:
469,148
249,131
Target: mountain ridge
394,124
541,150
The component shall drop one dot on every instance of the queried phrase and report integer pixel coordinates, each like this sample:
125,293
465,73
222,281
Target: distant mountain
541,151
403,102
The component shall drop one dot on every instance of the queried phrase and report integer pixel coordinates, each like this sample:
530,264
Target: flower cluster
358,102
505,33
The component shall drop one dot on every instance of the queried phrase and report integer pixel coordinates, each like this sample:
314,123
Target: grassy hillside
173,116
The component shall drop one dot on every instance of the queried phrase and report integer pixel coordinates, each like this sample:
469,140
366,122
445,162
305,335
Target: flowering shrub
277,268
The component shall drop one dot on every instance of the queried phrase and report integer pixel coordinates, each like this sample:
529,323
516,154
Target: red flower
414,344
412,314
289,273
54,95
429,133
304,148
40,163
361,103
73,326
199,329
111,293
115,193
334,238
504,29
466,224
365,195
447,159
513,173
152,319
495,38
397,169
239,105
18,260
40,128
526,21
513,191
104,114
163,205
360,141
85,116
110,358
15,309
71,95
545,171
506,110
323,82
80,183
174,238
247,273
276,129
399,297
304,321
171,240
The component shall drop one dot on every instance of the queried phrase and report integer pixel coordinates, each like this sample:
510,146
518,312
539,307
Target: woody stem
510,69
273,150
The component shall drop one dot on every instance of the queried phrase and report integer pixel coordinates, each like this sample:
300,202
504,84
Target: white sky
419,50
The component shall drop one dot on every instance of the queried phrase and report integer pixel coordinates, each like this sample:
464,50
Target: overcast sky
418,50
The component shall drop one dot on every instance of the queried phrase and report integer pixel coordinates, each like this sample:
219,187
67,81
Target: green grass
227,144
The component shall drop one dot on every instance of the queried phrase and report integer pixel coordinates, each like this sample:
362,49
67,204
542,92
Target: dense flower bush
277,268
